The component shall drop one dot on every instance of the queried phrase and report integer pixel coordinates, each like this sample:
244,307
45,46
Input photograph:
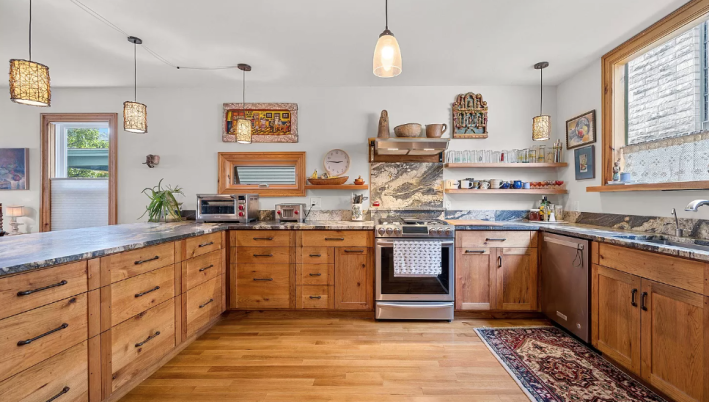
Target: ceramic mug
484,185
527,186
453,184
517,184
466,184
625,177
495,183
435,130
505,185
476,184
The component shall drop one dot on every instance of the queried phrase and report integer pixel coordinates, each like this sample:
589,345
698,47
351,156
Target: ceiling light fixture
541,125
387,55
243,125
29,81
135,115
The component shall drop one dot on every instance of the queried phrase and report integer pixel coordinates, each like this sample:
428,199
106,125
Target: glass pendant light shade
387,56
29,83
541,128
243,131
135,117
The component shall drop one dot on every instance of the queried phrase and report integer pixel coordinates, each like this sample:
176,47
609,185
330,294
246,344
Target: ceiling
321,42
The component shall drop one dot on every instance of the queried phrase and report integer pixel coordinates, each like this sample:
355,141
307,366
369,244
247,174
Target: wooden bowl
333,181
408,130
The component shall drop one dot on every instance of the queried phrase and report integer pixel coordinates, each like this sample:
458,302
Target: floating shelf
504,165
337,187
507,191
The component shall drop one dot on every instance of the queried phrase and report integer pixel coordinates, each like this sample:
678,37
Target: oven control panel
414,231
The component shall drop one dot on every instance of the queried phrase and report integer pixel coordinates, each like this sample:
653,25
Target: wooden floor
275,356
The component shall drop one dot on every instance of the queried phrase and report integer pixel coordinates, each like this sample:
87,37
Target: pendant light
541,125
243,125
387,55
29,81
135,115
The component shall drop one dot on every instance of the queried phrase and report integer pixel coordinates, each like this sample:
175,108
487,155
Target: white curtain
79,203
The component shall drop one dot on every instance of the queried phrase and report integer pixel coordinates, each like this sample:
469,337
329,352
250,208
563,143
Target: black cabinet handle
499,261
642,301
263,238
318,274
147,291
632,298
149,259
334,238
148,339
474,251
206,244
29,292
206,268
495,239
263,279
316,297
316,255
62,392
354,251
263,255
28,341
209,301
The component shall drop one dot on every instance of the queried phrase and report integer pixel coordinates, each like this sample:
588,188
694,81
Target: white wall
185,130
582,93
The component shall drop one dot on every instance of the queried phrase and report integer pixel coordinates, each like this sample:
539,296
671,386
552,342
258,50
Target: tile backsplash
407,186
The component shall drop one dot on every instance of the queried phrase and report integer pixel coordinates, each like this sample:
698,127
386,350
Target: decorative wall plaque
270,122
469,116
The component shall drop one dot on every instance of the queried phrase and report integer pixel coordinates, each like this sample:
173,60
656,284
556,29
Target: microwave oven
242,208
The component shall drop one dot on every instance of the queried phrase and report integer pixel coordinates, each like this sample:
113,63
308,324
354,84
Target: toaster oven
290,212
240,208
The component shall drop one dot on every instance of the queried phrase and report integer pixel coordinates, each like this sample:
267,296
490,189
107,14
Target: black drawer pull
632,298
29,292
209,301
147,291
206,244
148,260
28,341
495,239
206,268
62,392
474,251
148,339
263,279
334,238
318,274
263,238
263,255
642,301
316,297
354,251
499,261
316,255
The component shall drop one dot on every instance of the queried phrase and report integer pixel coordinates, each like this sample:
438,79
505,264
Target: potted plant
163,206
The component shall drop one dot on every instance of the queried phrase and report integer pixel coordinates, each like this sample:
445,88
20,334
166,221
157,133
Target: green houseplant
163,206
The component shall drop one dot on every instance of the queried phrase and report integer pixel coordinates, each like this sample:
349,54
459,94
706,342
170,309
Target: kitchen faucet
678,231
694,205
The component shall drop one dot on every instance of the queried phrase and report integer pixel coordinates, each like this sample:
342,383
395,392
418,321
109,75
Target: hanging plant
163,206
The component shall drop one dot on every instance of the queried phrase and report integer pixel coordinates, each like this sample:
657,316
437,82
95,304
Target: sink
688,245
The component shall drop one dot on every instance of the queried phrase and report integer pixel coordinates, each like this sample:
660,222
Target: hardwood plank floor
276,356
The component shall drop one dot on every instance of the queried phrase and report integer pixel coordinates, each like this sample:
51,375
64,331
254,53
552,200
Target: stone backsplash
407,186
697,228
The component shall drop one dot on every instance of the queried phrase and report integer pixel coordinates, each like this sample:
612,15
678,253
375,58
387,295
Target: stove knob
390,231
380,231
241,207
448,231
432,231
397,231
439,231
241,214
296,212
278,212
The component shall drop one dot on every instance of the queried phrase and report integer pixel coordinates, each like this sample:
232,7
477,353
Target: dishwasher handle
564,243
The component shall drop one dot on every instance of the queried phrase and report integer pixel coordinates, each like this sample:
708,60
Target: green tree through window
87,138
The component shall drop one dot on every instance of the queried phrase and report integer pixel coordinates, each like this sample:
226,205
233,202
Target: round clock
337,162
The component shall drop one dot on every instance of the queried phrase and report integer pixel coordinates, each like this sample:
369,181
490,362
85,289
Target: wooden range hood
400,149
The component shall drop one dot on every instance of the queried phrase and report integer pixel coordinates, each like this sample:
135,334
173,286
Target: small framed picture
585,162
581,130
14,169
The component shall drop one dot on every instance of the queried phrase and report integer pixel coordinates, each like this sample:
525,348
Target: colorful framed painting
270,122
585,162
581,130
14,168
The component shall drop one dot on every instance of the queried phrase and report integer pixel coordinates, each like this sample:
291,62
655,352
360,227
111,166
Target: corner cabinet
496,271
650,314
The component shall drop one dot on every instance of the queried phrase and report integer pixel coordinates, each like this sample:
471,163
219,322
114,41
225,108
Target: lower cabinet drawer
263,286
29,338
316,297
315,274
201,269
523,239
62,378
139,293
141,341
203,303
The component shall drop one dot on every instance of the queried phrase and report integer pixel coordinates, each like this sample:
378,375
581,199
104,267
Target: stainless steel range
414,298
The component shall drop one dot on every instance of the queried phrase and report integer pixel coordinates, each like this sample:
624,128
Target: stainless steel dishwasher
566,283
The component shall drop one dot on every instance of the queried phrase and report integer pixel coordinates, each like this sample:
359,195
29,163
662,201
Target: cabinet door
615,312
475,279
516,279
673,344
354,279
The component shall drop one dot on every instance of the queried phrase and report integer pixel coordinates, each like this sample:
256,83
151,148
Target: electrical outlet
576,206
448,204
316,202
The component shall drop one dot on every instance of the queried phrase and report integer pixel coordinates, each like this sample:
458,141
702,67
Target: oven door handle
389,243
429,305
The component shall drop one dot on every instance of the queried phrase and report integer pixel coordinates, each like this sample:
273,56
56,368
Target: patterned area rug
550,365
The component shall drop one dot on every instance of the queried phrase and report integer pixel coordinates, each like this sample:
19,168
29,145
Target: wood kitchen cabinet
354,278
517,279
475,279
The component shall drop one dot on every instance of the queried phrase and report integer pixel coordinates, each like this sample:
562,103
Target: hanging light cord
30,30
135,72
386,14
541,91
153,53
243,93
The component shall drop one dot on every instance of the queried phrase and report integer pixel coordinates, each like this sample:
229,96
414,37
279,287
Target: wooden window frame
613,107
228,160
47,168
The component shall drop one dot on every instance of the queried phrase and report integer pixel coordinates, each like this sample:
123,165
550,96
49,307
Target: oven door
216,209
389,287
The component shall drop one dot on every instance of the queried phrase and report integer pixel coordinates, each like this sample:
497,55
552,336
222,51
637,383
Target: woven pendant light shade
541,128
243,131
29,83
135,117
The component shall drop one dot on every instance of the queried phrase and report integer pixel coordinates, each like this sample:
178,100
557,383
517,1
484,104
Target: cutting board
460,222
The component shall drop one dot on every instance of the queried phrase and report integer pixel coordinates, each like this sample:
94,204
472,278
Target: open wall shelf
542,191
504,165
337,187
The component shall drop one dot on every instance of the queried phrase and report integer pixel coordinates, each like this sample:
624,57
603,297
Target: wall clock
337,162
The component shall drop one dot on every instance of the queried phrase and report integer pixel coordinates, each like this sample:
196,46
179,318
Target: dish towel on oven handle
420,258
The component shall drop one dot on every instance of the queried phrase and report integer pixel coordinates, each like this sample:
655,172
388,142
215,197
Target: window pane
87,152
255,175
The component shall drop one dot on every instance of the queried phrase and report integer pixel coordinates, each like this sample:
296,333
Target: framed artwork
270,122
585,162
469,115
14,168
581,130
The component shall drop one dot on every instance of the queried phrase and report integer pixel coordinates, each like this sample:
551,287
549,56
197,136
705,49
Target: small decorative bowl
408,130
333,181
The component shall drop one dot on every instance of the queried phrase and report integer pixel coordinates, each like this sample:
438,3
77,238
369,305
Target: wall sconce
152,160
